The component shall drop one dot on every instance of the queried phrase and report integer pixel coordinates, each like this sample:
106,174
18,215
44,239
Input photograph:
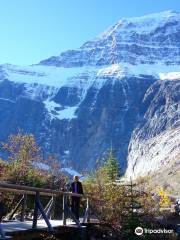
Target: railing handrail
32,190
38,207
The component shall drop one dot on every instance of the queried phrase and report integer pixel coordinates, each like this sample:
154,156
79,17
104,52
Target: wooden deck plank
16,226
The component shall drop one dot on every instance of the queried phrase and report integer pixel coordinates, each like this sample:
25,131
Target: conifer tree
112,167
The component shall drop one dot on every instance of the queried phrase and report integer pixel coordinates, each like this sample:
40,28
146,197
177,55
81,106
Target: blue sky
32,30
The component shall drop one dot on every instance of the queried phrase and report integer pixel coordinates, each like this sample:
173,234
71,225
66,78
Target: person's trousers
75,203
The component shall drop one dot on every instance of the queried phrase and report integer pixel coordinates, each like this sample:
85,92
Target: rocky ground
169,178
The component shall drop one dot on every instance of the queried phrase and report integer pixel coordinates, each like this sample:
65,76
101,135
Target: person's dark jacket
79,187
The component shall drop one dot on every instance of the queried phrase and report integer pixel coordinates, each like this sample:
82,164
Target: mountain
151,39
121,89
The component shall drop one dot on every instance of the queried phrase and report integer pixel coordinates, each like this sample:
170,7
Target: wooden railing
44,212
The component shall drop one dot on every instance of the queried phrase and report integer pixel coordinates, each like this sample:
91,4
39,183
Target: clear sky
32,30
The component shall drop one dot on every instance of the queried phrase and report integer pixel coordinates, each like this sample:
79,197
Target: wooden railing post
24,204
38,206
51,209
35,217
48,208
88,211
64,209
10,216
45,217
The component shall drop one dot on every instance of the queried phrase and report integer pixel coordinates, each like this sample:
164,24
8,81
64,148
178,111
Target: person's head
76,178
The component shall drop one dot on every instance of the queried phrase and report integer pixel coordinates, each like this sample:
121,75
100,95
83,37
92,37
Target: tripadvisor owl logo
139,231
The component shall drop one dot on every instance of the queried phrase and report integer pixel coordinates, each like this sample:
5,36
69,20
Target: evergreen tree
112,167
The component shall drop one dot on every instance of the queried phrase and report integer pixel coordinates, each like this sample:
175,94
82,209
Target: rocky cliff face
156,140
120,89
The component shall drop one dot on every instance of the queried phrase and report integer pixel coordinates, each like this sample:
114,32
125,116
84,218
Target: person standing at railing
76,187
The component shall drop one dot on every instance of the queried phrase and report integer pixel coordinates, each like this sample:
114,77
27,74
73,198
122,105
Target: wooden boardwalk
23,230
16,226
41,222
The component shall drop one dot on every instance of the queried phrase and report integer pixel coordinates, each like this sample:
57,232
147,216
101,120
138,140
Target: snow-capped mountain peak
121,89
151,39
144,24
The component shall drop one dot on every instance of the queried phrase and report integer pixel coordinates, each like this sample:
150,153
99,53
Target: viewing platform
42,222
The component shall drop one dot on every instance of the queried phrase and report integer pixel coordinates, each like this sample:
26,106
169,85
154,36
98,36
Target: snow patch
170,76
41,166
45,75
55,110
117,70
66,152
141,25
71,171
43,82
82,77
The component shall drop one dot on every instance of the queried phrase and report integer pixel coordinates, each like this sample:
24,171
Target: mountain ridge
120,89
127,36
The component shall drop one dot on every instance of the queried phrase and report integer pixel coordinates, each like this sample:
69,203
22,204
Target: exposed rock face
76,126
155,142
120,89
